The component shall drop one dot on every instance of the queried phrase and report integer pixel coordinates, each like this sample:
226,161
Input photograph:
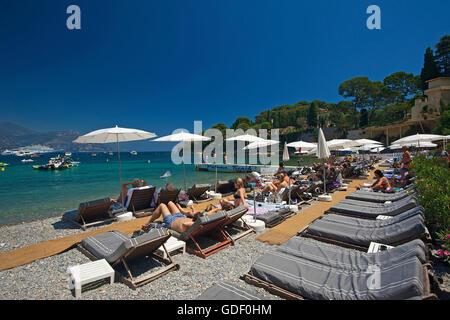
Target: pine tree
313,112
443,55
430,69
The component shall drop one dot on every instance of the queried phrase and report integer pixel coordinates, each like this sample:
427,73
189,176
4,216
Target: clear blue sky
160,65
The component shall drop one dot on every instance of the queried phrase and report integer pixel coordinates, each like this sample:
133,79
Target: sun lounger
379,196
390,209
227,291
363,203
206,226
233,216
119,249
361,237
358,222
226,188
197,192
293,277
275,217
164,196
90,213
140,200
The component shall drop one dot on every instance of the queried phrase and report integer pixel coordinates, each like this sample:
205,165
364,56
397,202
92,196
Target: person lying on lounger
276,186
136,183
175,217
239,196
381,183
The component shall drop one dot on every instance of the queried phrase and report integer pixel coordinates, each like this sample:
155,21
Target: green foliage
443,55
312,115
244,121
434,191
443,126
402,85
444,252
364,118
430,69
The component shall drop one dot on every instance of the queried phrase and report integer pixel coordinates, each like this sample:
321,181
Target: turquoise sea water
27,194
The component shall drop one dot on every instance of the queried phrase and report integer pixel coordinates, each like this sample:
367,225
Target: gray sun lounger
227,291
119,249
197,193
165,196
205,226
379,196
361,237
233,216
366,223
391,209
363,203
90,213
294,277
275,217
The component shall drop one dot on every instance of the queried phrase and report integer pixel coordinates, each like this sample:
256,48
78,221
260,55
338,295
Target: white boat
134,153
27,160
7,152
166,175
68,154
28,150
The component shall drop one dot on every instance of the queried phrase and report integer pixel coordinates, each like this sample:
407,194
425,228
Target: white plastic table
375,247
87,273
172,244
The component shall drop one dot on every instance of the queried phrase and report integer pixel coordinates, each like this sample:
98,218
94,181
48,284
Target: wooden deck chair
164,196
233,216
197,191
90,213
210,226
119,249
140,201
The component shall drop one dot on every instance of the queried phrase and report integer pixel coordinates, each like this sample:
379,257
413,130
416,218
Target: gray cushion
204,220
378,196
359,222
272,215
112,245
312,280
363,203
360,236
227,291
350,259
392,209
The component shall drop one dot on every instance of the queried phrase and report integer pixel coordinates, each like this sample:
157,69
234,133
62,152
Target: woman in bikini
239,196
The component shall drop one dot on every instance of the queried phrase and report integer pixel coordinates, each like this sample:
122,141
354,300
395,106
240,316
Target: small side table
377,247
172,244
89,273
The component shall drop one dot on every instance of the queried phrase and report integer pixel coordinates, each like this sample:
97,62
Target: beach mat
289,228
41,250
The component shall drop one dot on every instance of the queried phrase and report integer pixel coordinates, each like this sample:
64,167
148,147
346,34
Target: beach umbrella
337,144
418,139
368,147
323,152
377,149
413,144
115,135
302,144
245,137
366,141
183,137
260,144
285,159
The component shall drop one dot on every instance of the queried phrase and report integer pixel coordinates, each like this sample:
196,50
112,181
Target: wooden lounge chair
226,188
90,213
197,193
165,196
119,249
308,269
140,201
211,226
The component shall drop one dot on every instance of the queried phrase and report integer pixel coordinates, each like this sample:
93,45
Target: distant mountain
13,136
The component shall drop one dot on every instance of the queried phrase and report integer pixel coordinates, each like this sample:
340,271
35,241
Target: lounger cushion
112,245
363,203
312,280
359,222
395,233
378,196
350,259
227,291
75,214
273,215
372,212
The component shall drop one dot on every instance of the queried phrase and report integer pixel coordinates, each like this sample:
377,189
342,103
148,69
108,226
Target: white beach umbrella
302,144
337,144
413,144
368,147
183,137
362,142
322,152
418,139
260,144
377,149
285,153
245,137
115,135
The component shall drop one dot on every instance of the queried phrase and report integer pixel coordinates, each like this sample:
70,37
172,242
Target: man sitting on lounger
136,183
177,218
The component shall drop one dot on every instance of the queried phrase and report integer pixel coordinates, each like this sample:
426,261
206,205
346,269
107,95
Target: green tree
313,112
443,55
402,85
241,120
359,89
430,69
443,126
364,118
302,124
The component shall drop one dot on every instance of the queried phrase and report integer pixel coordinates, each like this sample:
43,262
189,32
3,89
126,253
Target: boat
3,164
28,150
7,152
57,163
134,153
94,154
110,153
27,160
68,154
166,175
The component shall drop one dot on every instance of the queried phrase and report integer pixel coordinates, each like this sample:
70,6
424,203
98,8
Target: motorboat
134,153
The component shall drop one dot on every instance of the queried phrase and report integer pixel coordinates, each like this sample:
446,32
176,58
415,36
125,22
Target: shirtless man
175,217
136,183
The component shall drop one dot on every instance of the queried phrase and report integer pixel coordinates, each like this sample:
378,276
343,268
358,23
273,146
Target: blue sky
160,65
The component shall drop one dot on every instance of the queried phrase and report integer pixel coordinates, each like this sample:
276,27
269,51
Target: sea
27,194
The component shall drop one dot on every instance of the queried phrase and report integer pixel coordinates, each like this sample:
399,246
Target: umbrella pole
184,173
120,173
